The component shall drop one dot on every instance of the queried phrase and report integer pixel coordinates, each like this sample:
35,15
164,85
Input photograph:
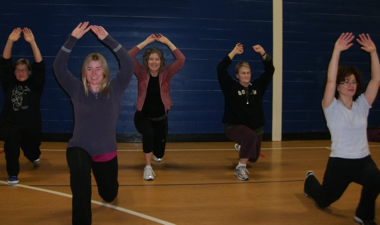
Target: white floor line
95,202
204,149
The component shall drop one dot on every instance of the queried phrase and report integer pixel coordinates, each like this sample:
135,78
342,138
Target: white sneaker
148,173
157,159
237,147
241,173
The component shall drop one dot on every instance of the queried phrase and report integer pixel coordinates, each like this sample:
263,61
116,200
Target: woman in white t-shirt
346,110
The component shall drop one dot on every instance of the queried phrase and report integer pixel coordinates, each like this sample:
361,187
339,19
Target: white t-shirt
348,128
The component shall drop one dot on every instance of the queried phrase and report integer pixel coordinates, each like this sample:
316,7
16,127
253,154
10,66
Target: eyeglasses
21,71
347,83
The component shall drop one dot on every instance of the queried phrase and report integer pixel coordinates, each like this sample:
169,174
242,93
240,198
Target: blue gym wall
310,31
205,31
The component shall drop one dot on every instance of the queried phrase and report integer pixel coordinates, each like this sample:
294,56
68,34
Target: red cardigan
165,76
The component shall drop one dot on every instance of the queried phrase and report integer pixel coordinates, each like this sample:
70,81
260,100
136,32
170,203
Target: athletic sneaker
241,173
12,180
364,222
157,159
308,173
36,163
149,173
237,147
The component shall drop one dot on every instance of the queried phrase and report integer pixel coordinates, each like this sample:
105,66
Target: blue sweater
95,114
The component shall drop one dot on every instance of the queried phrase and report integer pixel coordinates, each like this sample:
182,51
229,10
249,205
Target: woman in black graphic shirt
20,120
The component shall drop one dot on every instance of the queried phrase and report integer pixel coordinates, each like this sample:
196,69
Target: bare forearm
375,67
143,44
36,52
171,46
332,70
7,53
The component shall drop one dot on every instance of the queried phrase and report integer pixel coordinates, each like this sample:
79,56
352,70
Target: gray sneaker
148,173
237,147
241,173
157,159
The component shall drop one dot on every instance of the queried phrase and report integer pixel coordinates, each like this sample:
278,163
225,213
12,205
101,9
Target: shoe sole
241,178
13,182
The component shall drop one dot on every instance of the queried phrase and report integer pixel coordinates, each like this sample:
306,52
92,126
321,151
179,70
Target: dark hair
343,73
147,54
22,61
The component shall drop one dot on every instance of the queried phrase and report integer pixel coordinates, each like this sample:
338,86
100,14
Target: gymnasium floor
195,184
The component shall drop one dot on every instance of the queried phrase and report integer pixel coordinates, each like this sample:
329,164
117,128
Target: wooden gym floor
195,184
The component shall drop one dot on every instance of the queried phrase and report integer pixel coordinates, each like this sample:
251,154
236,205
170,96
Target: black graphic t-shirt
22,99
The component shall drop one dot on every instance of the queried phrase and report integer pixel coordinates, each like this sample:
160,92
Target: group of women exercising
96,100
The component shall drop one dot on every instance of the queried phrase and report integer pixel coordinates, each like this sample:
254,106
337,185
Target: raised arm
236,51
147,41
124,75
224,77
374,83
164,40
13,37
63,75
260,50
266,77
29,37
174,67
343,43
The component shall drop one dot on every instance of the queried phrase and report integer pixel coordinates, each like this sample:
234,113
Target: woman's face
22,72
154,62
94,73
348,87
244,76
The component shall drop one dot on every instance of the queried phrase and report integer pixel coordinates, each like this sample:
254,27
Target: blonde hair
240,65
103,87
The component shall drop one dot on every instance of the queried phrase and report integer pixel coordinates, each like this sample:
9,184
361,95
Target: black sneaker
364,222
36,163
308,173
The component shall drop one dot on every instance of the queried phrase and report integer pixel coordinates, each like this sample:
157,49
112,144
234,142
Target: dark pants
250,142
14,139
105,173
154,134
338,175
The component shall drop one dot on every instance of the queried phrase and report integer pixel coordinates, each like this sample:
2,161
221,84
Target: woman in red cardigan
153,101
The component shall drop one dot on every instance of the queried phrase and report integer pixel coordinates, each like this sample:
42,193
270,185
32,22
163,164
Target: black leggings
105,173
14,139
338,175
154,134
